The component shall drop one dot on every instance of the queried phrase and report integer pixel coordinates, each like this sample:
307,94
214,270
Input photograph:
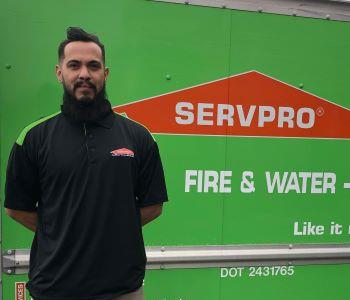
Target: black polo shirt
87,181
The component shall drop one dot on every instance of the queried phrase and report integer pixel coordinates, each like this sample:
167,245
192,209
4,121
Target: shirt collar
106,121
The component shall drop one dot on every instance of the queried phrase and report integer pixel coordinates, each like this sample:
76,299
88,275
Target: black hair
78,34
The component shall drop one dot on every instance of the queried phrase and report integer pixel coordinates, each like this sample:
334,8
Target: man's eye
94,66
73,66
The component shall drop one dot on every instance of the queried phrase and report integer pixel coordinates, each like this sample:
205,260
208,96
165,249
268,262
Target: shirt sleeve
21,189
151,183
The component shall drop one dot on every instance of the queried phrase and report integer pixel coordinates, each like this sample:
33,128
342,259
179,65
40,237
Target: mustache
87,111
84,82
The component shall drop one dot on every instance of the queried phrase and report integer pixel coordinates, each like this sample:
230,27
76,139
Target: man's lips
84,87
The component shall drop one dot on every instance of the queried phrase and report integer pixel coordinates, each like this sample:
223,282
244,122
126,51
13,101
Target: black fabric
87,182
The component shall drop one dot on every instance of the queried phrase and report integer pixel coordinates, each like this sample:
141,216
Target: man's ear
58,73
106,72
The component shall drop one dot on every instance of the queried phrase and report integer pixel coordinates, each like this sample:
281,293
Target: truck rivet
9,252
328,17
9,271
7,66
168,77
290,246
301,85
162,249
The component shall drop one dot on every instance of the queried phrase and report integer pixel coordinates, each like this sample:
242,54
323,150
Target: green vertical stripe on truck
24,132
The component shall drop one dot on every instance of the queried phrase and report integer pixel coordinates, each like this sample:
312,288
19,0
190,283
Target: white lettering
296,229
307,228
292,183
245,121
305,176
189,181
329,182
200,181
202,113
225,181
276,181
188,114
320,183
311,119
316,183
263,117
285,115
211,179
222,116
208,181
223,272
210,114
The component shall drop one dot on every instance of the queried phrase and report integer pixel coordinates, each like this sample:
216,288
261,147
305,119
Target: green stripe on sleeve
24,132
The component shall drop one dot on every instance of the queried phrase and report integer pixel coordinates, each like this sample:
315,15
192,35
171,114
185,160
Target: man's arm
149,213
26,218
30,219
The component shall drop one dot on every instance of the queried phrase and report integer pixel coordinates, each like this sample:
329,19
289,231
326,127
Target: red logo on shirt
122,152
20,290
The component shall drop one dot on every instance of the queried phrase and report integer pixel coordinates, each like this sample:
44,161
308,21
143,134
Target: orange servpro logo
248,104
122,152
20,290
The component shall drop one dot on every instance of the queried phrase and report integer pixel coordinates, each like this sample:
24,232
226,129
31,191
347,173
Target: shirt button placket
90,145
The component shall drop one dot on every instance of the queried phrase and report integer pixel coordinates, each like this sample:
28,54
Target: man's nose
84,73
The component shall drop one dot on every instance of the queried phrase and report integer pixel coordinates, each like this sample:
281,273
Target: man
85,180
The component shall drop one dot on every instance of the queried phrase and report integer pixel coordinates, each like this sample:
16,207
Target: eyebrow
72,61
90,62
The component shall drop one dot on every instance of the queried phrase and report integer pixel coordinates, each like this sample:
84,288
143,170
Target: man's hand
26,218
149,213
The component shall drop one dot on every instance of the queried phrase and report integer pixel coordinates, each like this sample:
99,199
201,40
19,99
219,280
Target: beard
86,109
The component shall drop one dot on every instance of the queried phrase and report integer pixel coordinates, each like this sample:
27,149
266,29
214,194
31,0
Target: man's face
82,71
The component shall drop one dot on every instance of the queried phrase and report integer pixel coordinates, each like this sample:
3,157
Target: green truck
249,102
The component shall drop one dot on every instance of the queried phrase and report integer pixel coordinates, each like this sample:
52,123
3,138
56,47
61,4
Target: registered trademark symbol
320,111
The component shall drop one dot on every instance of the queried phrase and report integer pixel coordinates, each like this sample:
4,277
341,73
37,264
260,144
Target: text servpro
210,114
